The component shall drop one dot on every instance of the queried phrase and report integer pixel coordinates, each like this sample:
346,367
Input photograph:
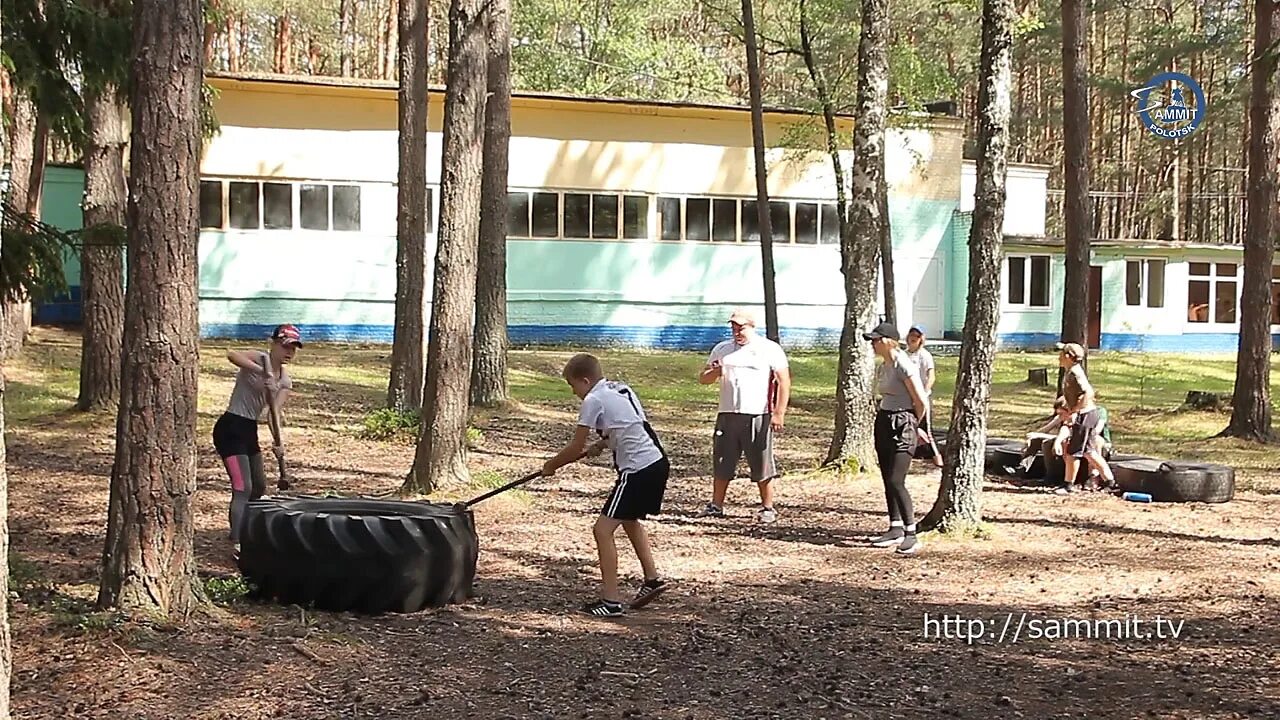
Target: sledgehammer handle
273,416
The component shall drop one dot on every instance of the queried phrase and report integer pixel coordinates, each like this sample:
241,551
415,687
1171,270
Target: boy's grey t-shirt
924,363
892,379
249,396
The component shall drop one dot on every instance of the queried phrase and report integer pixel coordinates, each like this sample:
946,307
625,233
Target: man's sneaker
1065,490
768,515
649,590
712,510
908,546
889,539
604,608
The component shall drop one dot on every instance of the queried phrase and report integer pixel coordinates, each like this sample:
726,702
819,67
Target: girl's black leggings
895,440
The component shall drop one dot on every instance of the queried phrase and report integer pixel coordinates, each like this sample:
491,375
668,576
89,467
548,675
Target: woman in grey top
235,435
903,403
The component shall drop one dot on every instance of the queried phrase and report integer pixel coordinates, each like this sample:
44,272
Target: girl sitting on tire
235,435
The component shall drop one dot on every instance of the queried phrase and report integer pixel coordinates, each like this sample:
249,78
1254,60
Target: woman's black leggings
895,439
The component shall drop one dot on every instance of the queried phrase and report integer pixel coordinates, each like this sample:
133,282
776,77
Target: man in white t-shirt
755,385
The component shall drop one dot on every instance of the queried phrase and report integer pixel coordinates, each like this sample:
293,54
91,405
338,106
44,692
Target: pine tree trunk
210,30
15,317
101,264
233,43
346,29
959,504
148,560
1251,401
762,173
388,59
284,44
1075,171
442,450
408,365
889,286
489,368
851,446
6,641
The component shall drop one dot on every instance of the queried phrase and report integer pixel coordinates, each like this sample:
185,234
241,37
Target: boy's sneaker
908,546
649,590
712,511
604,608
889,539
768,515
1065,490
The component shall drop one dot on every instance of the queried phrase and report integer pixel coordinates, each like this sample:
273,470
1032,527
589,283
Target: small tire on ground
1175,481
359,554
1002,453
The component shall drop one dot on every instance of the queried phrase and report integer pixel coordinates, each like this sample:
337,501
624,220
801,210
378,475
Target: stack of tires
359,554
1163,480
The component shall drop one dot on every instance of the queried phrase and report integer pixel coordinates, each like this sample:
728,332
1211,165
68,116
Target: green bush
225,591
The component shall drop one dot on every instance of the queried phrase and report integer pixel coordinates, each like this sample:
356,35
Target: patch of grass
390,424
487,480
474,437
228,590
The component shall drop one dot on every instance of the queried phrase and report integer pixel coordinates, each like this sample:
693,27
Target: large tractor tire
359,554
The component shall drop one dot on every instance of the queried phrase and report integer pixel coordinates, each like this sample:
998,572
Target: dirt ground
794,620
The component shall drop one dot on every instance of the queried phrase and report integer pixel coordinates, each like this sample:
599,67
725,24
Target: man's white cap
743,316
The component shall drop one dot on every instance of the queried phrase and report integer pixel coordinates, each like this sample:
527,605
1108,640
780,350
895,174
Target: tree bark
148,560
489,367
889,286
284,44
1251,400
16,316
387,62
959,504
346,31
441,455
6,642
851,446
1075,171
408,371
762,173
233,43
101,264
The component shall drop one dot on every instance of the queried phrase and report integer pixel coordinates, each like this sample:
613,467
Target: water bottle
1137,497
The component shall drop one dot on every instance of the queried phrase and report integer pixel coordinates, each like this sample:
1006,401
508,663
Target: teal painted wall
60,207
345,283
958,278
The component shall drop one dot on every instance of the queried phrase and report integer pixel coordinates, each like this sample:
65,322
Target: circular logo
1177,108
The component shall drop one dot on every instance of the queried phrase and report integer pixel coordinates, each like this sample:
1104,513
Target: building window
546,214
518,214
669,218
604,217
346,208
807,223
724,220
1027,281
313,207
1144,283
242,205
277,206
1213,292
697,219
577,216
635,217
780,221
211,204
829,234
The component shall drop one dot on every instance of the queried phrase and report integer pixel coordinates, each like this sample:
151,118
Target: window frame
1028,266
1144,282
295,203
1211,324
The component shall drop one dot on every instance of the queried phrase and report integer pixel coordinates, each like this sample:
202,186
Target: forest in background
1142,187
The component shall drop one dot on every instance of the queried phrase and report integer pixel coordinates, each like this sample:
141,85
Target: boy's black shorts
639,493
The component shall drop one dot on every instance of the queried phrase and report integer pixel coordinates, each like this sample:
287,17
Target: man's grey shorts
737,434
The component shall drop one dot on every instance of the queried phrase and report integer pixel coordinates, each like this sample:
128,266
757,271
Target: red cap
287,335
